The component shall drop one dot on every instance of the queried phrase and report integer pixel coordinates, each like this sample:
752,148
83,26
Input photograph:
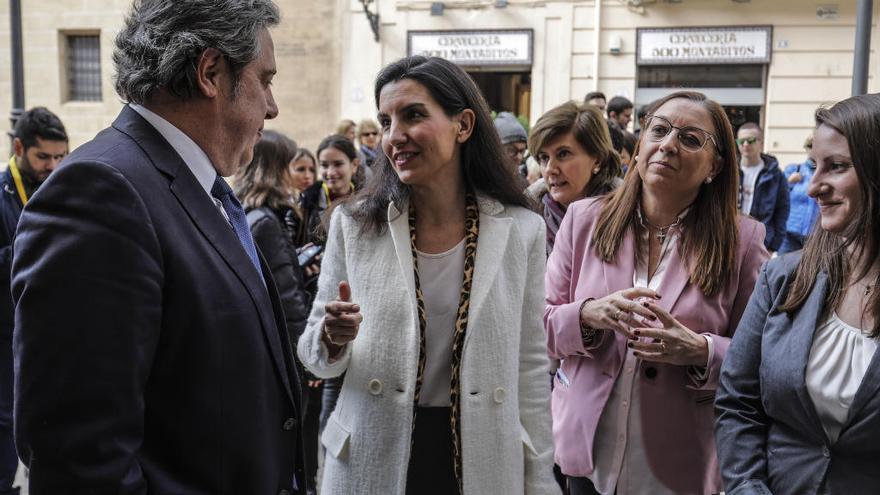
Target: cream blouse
440,276
839,358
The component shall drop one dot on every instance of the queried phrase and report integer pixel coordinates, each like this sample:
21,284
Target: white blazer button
375,386
499,395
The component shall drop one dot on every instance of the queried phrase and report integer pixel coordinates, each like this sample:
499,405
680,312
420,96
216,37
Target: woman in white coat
430,300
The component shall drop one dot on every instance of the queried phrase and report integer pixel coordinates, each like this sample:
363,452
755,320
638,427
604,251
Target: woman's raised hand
672,343
617,311
341,320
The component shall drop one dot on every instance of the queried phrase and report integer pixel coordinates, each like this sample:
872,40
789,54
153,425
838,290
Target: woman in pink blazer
645,287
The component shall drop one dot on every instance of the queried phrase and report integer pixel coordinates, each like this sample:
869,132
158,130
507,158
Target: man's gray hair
162,40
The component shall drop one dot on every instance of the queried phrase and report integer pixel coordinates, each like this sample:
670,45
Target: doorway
506,91
739,88
739,115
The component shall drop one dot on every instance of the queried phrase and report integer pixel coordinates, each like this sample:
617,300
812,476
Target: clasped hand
629,313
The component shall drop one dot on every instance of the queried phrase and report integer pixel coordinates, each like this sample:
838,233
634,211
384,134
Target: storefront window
701,76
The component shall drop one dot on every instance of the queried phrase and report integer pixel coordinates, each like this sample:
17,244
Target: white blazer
505,409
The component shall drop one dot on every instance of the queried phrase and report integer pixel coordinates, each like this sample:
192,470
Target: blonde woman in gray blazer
430,301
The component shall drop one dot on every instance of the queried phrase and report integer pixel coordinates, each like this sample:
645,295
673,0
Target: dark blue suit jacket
10,210
151,358
770,203
767,430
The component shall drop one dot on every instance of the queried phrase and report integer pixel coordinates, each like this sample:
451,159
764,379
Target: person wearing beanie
513,137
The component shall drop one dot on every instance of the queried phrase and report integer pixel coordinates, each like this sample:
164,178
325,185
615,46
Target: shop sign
496,47
709,45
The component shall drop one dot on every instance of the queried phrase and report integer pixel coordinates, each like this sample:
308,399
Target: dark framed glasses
515,152
748,140
690,138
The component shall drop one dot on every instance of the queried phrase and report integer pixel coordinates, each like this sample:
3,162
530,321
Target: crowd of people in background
393,302
639,231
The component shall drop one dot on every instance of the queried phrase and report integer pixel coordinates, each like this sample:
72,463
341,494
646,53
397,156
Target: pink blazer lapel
674,281
619,276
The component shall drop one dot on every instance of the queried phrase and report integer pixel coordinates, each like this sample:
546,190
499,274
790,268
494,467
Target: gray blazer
769,436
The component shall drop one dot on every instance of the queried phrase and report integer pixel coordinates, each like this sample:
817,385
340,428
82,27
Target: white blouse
839,358
621,464
440,276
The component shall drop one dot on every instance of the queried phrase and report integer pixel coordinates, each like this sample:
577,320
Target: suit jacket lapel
674,281
280,347
803,328
619,273
398,225
491,245
210,222
866,391
618,276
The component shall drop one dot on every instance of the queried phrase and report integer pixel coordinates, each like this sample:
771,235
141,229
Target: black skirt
431,464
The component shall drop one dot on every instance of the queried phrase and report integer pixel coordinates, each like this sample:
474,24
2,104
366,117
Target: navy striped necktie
237,218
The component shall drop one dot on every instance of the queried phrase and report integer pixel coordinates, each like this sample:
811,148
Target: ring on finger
618,314
663,347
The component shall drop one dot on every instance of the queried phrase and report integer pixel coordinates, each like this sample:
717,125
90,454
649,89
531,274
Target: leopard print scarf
472,227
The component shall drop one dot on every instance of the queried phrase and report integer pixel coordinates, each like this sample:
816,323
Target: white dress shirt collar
191,153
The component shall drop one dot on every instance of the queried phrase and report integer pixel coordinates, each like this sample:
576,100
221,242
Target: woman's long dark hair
266,180
482,157
340,143
858,119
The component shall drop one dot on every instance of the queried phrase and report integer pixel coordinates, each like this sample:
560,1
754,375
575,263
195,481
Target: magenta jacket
677,412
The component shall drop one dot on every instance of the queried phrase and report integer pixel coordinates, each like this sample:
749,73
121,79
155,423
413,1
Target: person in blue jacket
803,209
763,191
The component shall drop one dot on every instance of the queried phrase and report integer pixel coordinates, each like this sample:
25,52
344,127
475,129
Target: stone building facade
586,45
328,57
307,52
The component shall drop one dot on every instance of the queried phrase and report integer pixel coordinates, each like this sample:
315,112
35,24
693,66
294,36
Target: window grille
83,68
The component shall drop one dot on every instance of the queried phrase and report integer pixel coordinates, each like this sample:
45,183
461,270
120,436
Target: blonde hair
366,124
343,126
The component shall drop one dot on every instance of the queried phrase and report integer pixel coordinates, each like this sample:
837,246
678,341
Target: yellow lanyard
16,177
327,192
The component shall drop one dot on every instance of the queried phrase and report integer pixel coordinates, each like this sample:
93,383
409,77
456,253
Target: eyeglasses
514,152
369,133
690,138
748,140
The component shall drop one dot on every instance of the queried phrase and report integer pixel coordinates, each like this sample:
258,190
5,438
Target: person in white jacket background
430,301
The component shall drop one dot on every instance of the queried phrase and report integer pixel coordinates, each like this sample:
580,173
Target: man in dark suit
150,345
